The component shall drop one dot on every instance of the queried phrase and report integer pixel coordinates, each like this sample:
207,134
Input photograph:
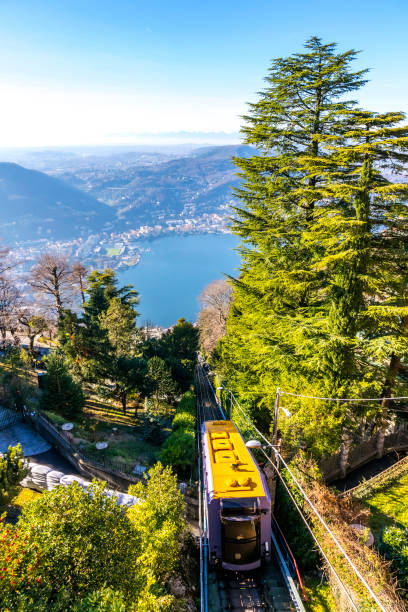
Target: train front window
239,507
240,522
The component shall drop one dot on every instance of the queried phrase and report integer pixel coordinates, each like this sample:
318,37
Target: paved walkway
31,442
54,460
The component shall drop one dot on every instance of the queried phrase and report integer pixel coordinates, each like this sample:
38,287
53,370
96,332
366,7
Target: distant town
118,250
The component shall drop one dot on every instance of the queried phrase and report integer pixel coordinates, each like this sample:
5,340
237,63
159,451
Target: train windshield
240,507
240,523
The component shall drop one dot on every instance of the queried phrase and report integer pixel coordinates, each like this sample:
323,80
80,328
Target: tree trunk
393,368
344,452
31,339
123,397
58,304
81,286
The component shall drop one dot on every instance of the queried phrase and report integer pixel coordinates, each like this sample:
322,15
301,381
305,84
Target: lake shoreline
170,277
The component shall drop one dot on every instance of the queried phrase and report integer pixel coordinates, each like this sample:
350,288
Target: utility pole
272,480
276,417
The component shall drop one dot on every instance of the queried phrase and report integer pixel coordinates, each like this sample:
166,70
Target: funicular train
238,503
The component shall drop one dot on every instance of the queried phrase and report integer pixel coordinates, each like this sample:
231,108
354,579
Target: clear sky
108,71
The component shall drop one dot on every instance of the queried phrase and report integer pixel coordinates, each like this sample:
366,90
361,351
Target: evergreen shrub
394,546
12,470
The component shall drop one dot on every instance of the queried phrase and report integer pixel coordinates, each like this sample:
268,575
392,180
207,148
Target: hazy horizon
111,72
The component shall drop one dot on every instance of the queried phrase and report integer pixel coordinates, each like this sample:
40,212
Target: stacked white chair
39,475
68,479
53,479
124,499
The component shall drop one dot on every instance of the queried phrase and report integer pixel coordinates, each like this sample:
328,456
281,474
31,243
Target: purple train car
238,503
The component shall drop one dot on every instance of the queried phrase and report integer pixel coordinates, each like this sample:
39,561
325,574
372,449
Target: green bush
187,403
184,420
12,471
159,521
104,600
179,448
77,550
62,394
71,539
394,546
179,451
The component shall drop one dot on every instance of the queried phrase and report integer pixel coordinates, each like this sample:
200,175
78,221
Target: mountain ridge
35,205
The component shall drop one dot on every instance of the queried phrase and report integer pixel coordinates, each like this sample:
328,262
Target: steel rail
208,408
203,586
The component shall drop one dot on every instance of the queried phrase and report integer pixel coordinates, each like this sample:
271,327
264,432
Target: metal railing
288,556
9,417
121,468
367,486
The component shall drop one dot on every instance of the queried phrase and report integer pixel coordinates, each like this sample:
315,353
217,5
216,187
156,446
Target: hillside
34,205
187,186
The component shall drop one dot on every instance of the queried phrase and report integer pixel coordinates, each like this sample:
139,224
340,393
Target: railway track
233,591
209,409
242,591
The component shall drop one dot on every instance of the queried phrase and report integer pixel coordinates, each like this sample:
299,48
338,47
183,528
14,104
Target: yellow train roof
234,472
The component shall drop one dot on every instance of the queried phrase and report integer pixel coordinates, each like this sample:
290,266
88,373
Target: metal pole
276,417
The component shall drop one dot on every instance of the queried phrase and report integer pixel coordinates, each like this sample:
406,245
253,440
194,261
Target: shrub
394,546
179,451
153,429
184,420
187,403
12,470
73,539
61,394
179,448
77,550
159,521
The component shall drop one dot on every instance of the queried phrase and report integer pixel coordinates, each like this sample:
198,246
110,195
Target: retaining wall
362,453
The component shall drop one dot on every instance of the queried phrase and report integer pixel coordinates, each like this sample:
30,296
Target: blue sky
100,72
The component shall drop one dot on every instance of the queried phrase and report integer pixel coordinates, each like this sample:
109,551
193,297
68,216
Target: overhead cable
322,521
345,399
342,586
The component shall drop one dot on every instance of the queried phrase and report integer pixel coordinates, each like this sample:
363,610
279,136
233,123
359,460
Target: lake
171,276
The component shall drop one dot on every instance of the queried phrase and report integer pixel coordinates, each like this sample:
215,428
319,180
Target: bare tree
212,319
32,325
51,277
6,263
79,279
10,301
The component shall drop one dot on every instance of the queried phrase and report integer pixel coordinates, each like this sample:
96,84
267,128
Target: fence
362,452
116,473
366,487
9,417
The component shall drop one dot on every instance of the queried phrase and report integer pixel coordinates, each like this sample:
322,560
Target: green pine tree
62,393
320,225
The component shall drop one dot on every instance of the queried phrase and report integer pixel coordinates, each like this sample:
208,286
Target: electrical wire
345,399
313,535
322,521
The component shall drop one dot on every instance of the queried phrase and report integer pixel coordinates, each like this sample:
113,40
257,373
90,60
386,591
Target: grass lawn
112,252
101,421
23,496
388,504
18,497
